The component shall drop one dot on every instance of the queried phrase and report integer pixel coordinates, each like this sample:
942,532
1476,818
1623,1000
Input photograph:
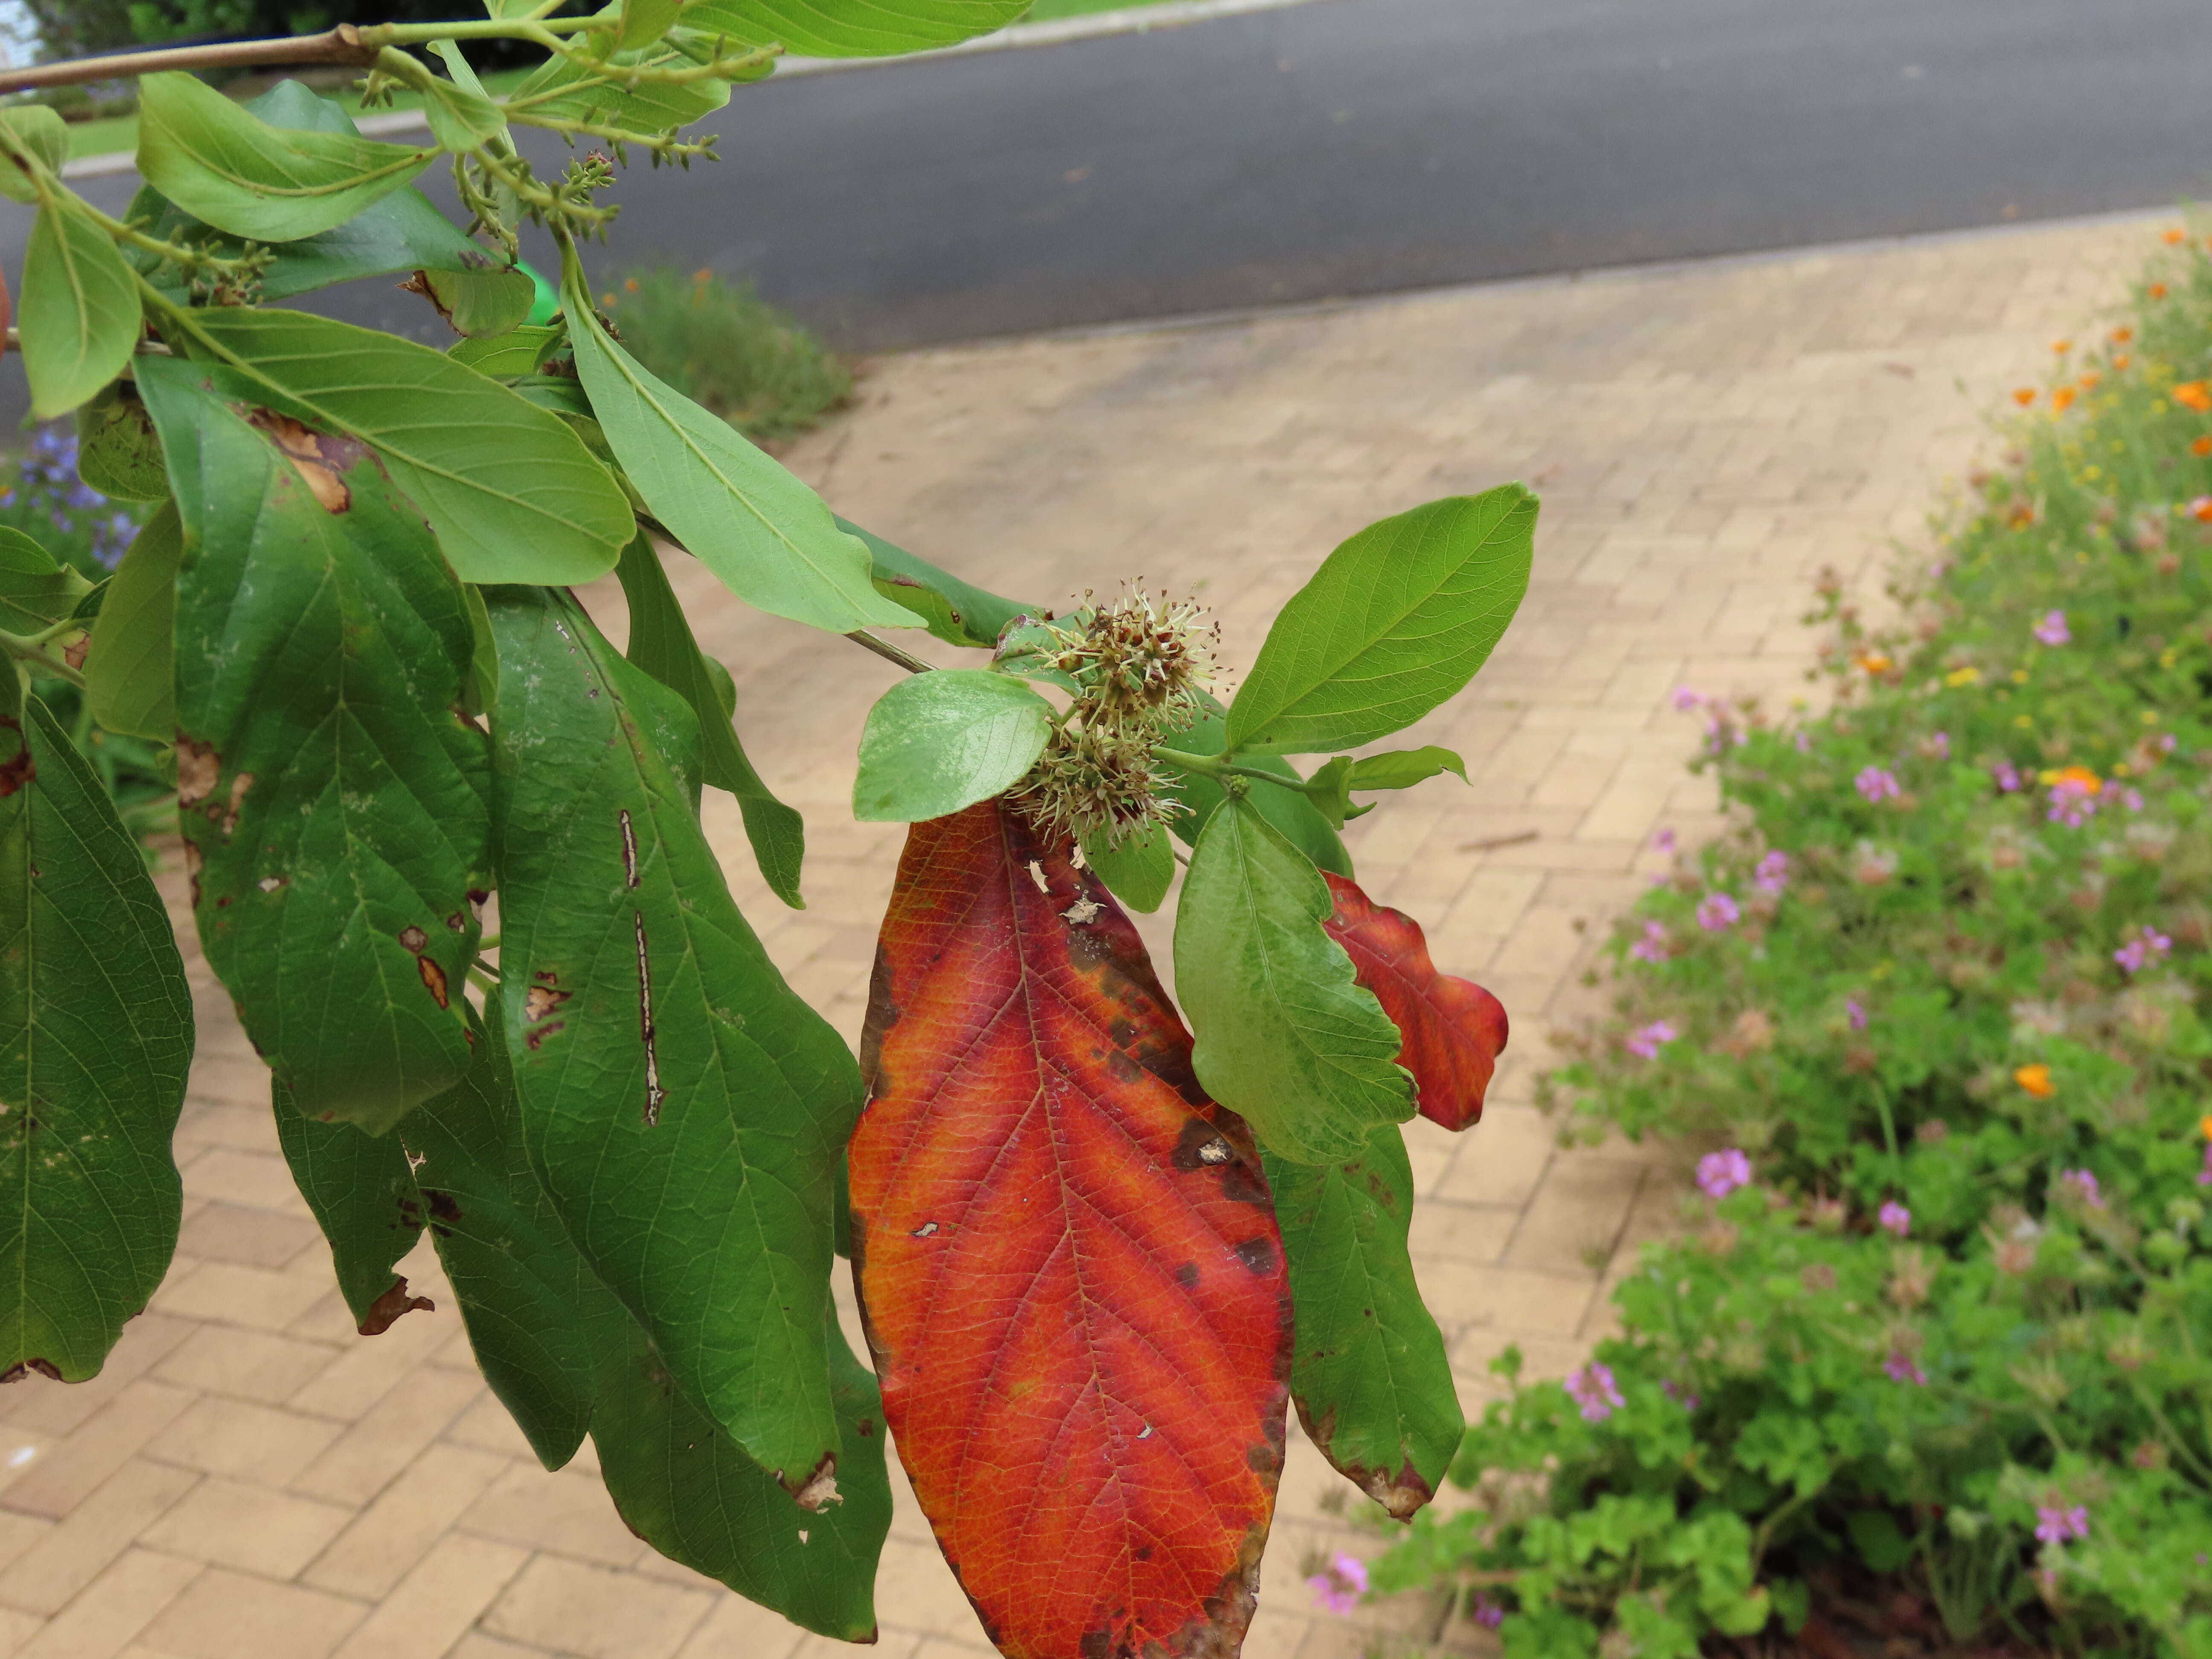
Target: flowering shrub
42,496
1933,1358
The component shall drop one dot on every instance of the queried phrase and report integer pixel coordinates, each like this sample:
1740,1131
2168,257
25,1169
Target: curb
1129,20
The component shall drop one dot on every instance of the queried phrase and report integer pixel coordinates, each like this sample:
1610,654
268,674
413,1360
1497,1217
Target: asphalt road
1362,146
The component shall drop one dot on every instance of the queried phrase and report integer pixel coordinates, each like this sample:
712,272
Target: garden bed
1929,1368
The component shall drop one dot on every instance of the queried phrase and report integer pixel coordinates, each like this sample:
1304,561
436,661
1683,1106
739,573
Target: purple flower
1717,913
1939,745
2051,630
1486,1612
2055,1526
1895,1217
1772,874
1877,783
1663,841
2008,778
1901,1367
1645,1042
1340,1586
1592,1388
2167,743
2140,953
1721,1173
1685,699
1679,1395
2132,799
2080,1187
2204,1175
1854,1011
1652,947
1804,742
2073,803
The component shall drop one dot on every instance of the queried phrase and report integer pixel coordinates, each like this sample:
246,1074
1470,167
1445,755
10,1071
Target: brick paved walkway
248,1478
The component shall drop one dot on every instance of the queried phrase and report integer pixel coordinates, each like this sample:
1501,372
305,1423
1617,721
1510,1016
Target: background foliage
1932,1360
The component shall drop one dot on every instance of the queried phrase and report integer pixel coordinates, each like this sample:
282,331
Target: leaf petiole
30,651
1213,766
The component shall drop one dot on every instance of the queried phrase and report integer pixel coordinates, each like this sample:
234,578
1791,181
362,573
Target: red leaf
1454,1029
1067,1260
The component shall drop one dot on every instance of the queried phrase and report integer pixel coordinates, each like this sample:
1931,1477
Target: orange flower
2061,398
2089,380
2036,1079
2176,238
2122,336
2062,347
2024,396
2156,290
1874,662
2204,1126
2201,509
2121,362
2195,394
2087,780
2201,447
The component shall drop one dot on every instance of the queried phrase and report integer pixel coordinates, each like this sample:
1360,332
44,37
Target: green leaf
1139,872
402,231
80,317
333,802
1284,1037
1400,768
364,1197
462,116
681,1106
1372,1382
117,452
225,166
570,92
763,532
511,356
1395,622
40,131
512,492
481,303
1294,814
35,590
687,1490
660,642
644,22
95,1038
937,742
131,665
1032,649
852,28
955,611
541,1324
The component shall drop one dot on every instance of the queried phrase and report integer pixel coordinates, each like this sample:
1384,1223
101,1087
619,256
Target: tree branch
343,44
890,652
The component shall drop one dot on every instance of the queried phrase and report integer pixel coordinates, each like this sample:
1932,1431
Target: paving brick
406,1522
222,1615
363,1460
248,1442
434,1606
595,1612
233,1524
113,1608
246,1364
253,1238
78,1548
568,1514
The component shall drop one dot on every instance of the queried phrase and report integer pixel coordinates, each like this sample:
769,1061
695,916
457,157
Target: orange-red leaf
1067,1260
1454,1029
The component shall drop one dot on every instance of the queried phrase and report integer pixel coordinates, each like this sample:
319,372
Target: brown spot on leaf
1187,1275
819,1489
443,1206
413,938
1403,1496
321,461
73,653
1258,1255
433,976
540,1000
16,1373
455,924
532,1039
198,768
386,1310
239,783
18,769
271,883
194,860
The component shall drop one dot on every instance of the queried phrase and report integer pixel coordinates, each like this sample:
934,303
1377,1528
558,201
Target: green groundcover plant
1932,1360
727,350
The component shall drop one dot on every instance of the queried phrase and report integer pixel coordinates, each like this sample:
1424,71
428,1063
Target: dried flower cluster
1137,669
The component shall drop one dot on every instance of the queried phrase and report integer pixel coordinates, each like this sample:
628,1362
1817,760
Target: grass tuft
729,351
